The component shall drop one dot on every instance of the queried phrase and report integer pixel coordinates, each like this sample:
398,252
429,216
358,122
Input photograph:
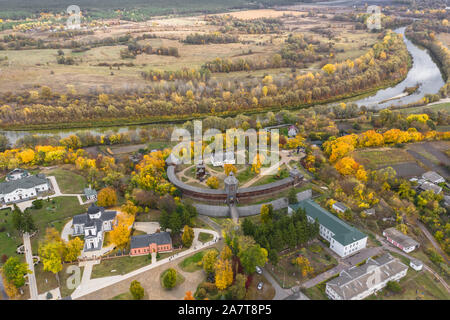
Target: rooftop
24,183
89,192
343,233
145,240
400,238
433,177
356,280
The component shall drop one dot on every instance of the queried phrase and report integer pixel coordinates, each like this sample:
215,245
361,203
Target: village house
416,264
339,207
400,240
90,194
93,226
149,243
21,189
359,282
344,239
433,177
426,185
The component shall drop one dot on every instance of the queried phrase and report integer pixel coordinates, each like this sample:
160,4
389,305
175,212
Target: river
424,71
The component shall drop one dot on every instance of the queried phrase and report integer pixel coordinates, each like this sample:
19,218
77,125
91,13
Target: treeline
256,26
282,232
385,63
215,37
184,74
135,49
20,42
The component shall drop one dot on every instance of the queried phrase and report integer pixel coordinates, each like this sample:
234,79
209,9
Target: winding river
424,72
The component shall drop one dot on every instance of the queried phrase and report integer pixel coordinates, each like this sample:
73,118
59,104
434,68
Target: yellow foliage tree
212,182
224,274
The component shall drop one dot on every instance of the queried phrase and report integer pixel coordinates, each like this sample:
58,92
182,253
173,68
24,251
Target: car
260,285
258,270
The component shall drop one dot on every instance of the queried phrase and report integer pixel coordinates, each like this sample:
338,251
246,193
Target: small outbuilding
416,264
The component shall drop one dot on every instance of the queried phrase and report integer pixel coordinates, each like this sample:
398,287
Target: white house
93,225
343,238
357,283
339,207
90,194
23,189
416,264
433,177
400,240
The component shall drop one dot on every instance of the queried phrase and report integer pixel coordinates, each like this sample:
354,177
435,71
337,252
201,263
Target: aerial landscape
224,150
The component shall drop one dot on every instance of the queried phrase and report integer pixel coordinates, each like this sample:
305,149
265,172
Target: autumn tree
187,236
238,290
229,168
14,271
304,265
120,234
72,249
212,182
226,253
209,260
107,197
136,290
224,274
188,296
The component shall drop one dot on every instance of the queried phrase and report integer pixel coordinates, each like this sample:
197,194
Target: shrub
393,286
170,278
136,290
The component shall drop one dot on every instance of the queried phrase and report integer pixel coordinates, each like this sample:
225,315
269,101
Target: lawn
9,237
152,215
68,181
54,213
45,280
63,277
122,265
180,278
205,237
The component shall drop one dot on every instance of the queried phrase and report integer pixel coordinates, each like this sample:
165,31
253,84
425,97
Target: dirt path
430,164
432,240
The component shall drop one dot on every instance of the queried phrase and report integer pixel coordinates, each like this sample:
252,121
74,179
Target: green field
204,237
122,266
68,181
436,107
8,244
375,158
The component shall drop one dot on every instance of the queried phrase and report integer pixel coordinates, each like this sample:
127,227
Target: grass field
435,108
204,237
122,265
8,244
68,181
376,158
190,264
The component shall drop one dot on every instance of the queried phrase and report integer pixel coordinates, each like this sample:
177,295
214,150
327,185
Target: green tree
14,271
251,257
18,219
393,286
136,290
170,278
292,196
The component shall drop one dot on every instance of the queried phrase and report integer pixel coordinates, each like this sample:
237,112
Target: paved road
432,240
29,258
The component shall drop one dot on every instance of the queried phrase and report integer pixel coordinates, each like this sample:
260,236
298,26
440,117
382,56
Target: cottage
416,264
356,283
400,240
22,189
433,177
149,243
343,238
90,194
17,174
339,207
93,225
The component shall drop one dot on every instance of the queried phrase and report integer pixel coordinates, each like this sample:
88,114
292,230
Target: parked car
258,270
260,285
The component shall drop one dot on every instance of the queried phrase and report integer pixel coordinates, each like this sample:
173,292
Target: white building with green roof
344,239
